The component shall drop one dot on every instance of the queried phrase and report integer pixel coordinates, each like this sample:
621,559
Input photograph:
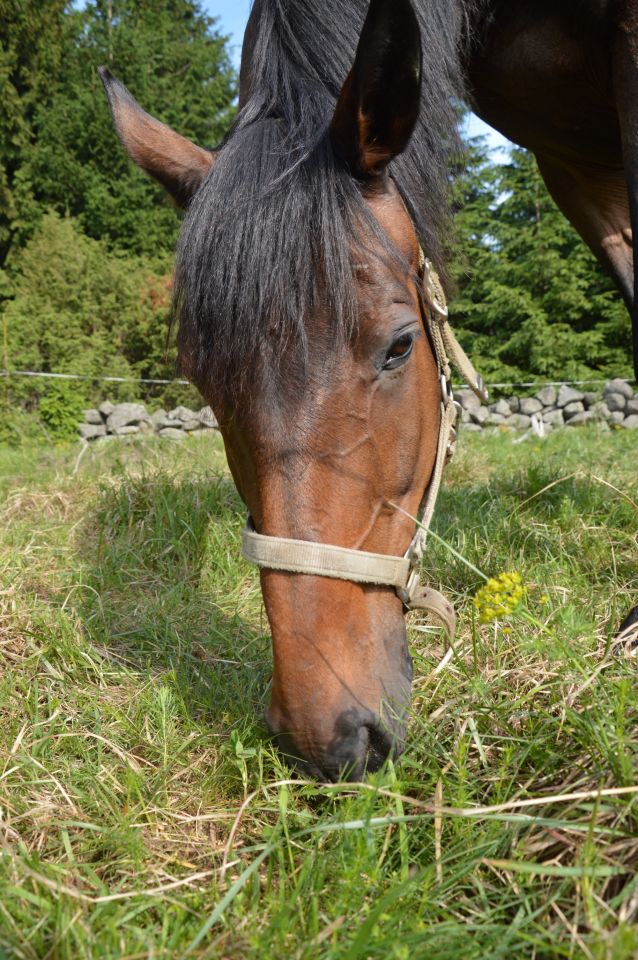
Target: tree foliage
85,237
82,309
66,154
31,56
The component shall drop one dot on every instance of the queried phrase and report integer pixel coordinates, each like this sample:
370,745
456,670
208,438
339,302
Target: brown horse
298,291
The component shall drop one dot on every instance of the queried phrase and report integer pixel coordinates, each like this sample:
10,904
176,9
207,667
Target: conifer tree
170,55
31,52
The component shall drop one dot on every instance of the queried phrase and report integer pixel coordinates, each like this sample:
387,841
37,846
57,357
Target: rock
94,417
568,395
632,407
530,405
125,431
547,396
146,426
208,418
590,399
158,417
160,423
519,421
619,386
601,411
617,416
580,418
468,400
495,420
106,408
172,433
183,414
631,423
90,431
572,409
192,425
126,415
615,401
501,408
554,417
480,415
514,404
472,428
464,415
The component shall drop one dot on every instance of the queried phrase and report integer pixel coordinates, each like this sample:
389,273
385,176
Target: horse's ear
380,100
179,165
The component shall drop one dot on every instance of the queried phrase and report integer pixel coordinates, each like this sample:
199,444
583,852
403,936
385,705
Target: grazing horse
304,312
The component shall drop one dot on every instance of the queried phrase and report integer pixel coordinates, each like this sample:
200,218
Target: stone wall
127,419
550,408
554,407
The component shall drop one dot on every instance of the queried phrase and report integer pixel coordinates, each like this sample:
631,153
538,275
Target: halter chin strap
358,566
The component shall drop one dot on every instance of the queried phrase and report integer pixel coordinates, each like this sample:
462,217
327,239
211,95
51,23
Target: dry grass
143,812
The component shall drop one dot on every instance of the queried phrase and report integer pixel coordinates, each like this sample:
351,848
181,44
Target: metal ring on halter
446,390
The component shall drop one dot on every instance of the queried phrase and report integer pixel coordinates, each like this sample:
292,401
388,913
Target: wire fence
89,377
185,383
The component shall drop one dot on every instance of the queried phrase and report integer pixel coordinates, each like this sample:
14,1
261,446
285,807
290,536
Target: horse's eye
399,351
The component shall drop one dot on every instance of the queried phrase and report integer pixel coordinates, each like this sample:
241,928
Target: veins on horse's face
351,437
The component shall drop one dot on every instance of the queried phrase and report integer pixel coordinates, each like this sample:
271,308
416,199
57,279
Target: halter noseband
358,566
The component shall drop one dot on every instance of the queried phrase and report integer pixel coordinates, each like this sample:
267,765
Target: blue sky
233,14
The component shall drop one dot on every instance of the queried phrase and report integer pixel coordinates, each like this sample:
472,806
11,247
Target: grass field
143,811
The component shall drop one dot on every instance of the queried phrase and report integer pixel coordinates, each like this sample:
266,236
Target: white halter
357,566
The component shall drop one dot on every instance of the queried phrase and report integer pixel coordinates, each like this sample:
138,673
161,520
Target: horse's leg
625,77
628,632
595,201
626,90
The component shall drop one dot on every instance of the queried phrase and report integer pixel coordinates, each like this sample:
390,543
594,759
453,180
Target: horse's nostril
380,746
361,745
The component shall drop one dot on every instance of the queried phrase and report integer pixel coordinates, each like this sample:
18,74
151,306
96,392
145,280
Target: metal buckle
447,394
406,594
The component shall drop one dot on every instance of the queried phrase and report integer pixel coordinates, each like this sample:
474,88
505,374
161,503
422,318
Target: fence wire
185,383
87,376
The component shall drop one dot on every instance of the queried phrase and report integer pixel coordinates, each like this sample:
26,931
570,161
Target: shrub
61,408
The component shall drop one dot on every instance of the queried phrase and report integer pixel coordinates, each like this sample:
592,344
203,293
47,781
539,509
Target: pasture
143,810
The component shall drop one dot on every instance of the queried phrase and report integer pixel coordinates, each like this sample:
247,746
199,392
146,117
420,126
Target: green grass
143,811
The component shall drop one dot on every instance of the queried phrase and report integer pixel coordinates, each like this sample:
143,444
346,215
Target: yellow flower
499,597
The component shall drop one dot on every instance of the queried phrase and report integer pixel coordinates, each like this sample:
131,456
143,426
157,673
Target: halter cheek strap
358,566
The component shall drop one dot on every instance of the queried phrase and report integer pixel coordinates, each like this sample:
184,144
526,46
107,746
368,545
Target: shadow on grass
165,591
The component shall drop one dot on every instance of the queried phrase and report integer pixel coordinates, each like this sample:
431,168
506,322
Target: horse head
298,292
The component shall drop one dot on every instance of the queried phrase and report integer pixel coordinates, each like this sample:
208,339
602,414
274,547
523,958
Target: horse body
560,77
297,290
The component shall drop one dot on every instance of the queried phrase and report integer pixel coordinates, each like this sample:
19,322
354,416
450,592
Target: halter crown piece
357,566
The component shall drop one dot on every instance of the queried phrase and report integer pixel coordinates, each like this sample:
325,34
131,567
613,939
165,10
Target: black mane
267,240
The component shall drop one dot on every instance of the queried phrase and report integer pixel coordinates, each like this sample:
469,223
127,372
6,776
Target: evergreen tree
31,52
532,302
175,62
